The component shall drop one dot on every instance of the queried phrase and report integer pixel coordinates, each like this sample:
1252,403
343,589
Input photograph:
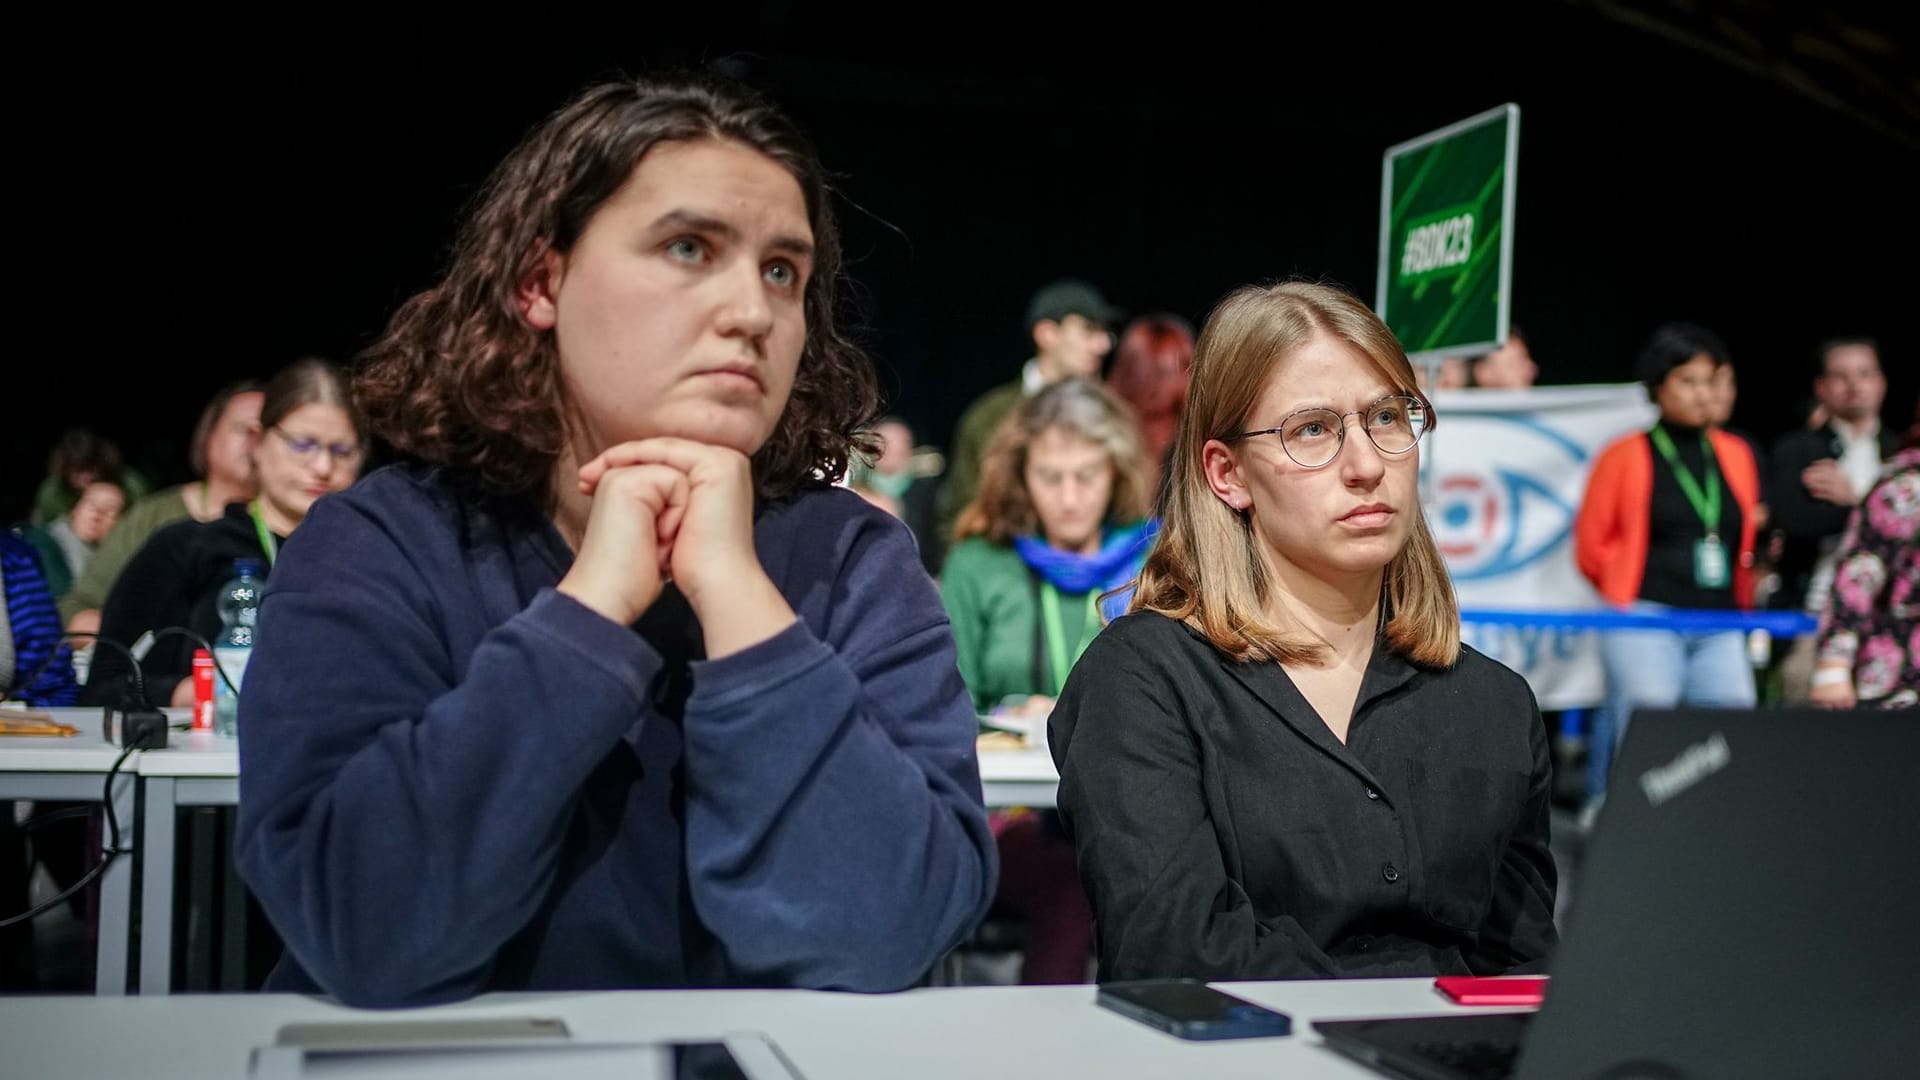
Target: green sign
1446,236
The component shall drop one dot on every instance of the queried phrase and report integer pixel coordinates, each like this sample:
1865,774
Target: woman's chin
293,504
1366,555
745,434
1076,541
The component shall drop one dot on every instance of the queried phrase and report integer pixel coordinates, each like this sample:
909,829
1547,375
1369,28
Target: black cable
107,853
113,848
139,677
181,631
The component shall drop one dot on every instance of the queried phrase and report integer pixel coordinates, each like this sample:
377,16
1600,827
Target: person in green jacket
1057,525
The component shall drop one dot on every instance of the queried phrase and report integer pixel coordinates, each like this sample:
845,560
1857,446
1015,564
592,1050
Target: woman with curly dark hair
606,685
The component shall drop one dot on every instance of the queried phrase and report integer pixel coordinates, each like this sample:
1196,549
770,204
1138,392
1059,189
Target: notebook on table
1748,907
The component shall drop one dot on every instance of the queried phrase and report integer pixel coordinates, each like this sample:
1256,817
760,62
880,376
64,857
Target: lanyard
1706,504
1057,633
267,543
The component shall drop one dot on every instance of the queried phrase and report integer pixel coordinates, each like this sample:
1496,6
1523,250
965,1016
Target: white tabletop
194,754
203,754
986,1033
188,753
1024,766
87,751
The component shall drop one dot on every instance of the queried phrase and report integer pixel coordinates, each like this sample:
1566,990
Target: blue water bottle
239,608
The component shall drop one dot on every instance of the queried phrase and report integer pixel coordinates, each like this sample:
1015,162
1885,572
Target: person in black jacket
311,444
1818,475
1282,763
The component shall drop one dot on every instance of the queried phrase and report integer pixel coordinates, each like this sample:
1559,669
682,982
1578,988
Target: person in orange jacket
1668,523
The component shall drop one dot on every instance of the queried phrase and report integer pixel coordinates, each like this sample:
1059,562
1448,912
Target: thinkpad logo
1694,764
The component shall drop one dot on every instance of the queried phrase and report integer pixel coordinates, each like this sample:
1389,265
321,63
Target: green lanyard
267,543
1707,503
1057,633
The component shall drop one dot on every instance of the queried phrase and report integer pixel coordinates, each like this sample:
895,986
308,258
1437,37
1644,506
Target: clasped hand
663,509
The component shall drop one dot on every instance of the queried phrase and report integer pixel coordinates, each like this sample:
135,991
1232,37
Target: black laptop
1748,907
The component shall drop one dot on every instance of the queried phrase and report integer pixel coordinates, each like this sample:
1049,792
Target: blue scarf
1122,551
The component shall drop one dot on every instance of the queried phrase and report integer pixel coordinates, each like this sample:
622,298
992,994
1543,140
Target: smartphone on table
1190,1009
1493,989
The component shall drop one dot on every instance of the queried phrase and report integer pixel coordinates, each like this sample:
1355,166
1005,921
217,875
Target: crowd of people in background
495,561
1786,511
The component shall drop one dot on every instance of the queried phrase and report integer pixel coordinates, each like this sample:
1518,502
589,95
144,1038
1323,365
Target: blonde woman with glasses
1282,763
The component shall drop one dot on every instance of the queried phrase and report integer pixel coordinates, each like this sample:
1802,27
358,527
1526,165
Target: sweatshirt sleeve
42,672
401,813
836,837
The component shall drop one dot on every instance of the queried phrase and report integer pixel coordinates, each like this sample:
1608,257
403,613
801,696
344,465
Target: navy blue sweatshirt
457,780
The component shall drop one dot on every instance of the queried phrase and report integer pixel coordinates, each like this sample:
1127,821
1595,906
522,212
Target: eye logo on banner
1499,509
1502,482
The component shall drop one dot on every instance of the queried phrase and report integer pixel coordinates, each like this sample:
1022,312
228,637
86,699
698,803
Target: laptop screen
1748,906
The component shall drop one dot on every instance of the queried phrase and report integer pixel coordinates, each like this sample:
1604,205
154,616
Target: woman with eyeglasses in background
1282,763
311,443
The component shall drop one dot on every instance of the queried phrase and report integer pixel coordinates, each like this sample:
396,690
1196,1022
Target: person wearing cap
1069,321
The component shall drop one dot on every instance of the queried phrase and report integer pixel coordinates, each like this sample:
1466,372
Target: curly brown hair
1003,508
460,379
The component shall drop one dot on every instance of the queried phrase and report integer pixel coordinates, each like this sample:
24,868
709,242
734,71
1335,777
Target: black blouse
1223,832
1674,527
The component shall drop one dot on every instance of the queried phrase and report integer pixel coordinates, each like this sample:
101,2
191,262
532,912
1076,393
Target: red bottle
202,690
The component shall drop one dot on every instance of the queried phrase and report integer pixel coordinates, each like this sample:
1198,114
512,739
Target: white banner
1502,477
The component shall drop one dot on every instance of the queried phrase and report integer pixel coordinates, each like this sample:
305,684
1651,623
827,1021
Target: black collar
1387,671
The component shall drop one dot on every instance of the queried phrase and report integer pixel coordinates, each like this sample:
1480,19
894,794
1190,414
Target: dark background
201,197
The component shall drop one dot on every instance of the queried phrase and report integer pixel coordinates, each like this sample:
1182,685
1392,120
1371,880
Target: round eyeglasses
1313,437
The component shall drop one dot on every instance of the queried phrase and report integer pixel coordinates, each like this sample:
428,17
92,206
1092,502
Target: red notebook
1493,989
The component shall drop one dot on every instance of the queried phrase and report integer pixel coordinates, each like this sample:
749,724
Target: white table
1018,778
199,769
74,769
985,1033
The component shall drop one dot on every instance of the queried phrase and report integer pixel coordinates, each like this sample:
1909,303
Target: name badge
1710,563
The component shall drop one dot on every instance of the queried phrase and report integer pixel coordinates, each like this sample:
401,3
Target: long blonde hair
1247,335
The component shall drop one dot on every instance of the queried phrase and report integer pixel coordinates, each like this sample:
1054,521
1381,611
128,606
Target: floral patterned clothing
1872,619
